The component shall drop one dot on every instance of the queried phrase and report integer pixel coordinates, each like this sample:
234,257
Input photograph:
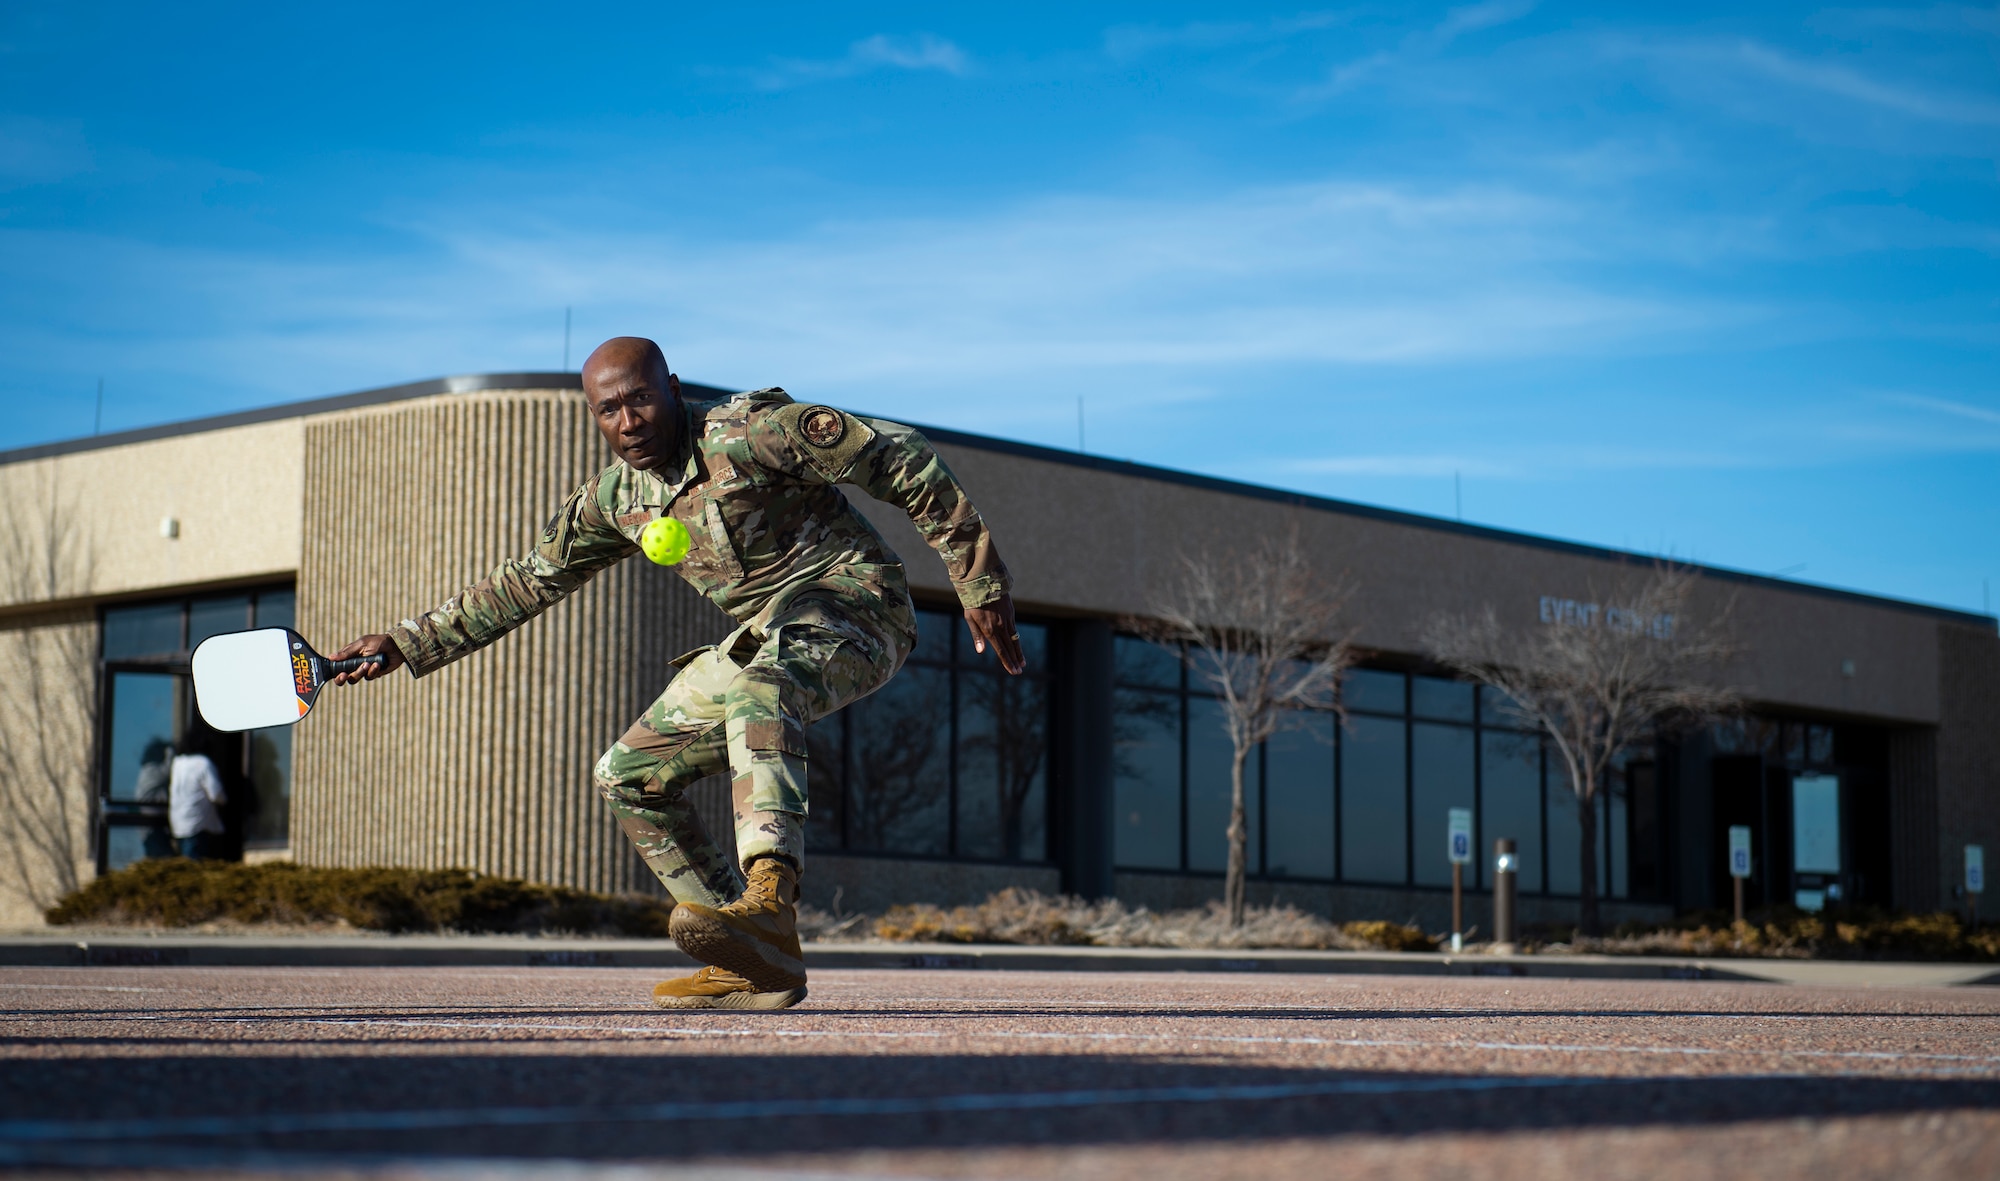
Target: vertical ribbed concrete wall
486,763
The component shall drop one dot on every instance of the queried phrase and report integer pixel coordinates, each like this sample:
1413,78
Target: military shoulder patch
829,439
822,425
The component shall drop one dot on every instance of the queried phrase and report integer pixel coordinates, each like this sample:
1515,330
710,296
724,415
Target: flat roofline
476,382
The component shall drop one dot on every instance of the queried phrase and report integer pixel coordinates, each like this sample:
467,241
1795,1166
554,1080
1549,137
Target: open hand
993,627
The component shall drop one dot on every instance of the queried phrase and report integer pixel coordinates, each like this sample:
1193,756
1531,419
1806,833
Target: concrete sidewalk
91,949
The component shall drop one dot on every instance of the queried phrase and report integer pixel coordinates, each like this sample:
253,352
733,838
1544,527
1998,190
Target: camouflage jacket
754,482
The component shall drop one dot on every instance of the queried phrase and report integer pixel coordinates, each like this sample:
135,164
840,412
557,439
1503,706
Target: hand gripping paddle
268,677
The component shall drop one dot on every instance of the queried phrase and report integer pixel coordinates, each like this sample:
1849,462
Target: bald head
634,400
626,354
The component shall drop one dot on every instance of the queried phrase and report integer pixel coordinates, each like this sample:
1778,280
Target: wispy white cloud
1115,296
1964,410
1751,75
879,52
1126,42
1844,82
1423,43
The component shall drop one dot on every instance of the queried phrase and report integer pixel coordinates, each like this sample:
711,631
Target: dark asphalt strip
21,1132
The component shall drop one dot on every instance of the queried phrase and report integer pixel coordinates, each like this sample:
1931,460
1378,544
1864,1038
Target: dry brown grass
1785,933
1027,917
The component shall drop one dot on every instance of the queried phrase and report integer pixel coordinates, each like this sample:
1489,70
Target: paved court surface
561,1072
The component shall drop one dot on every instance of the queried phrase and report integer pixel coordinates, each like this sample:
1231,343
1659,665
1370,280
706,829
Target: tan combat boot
714,988
756,936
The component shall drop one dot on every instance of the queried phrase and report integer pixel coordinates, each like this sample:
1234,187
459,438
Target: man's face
637,414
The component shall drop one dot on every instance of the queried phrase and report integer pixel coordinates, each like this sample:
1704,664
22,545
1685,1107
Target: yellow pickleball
665,541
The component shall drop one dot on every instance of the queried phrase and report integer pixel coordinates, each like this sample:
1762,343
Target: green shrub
172,892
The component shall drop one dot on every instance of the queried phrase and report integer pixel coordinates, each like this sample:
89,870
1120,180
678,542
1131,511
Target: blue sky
1675,278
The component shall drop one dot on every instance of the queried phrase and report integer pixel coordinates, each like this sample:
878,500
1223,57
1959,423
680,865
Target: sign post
1739,862
1458,840
1975,879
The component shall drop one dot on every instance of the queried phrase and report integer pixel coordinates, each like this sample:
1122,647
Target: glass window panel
277,609
269,809
1146,733
1614,842
1447,701
1441,774
1034,646
1819,745
1003,741
1373,689
146,713
935,630
1142,662
153,629
126,843
1565,835
826,769
208,617
901,787
1511,805
1210,755
1373,809
1497,709
1298,792
1794,743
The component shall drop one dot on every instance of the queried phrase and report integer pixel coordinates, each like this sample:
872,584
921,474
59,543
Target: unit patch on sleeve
822,425
826,438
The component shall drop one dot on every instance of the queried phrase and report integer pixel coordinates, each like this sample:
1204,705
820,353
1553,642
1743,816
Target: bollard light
1506,870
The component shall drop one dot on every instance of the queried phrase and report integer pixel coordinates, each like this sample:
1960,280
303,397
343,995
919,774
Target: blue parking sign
1458,827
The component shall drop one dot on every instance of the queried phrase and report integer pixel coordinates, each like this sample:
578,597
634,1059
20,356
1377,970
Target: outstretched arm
578,542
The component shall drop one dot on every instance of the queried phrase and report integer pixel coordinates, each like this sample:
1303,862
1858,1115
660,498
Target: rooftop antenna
97,424
565,367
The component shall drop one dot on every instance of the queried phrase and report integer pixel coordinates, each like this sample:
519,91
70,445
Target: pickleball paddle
266,677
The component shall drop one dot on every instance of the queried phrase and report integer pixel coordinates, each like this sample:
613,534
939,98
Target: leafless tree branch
1263,626
48,720
1601,677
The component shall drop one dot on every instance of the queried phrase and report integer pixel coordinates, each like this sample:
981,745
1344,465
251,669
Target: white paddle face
244,680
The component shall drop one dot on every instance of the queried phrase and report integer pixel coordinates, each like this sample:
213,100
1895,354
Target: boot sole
714,942
734,1000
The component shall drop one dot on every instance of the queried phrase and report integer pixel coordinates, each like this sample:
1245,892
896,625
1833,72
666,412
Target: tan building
1871,760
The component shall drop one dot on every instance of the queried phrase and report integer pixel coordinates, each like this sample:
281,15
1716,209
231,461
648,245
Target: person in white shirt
192,814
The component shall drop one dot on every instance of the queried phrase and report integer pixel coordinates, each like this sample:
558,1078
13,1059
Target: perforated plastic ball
665,541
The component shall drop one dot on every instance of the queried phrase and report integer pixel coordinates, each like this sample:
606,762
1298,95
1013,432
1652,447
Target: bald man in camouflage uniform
824,619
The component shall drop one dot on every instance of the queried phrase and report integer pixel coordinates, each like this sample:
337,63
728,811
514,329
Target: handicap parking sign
1739,851
1459,834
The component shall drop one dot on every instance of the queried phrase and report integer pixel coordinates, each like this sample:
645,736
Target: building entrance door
1816,841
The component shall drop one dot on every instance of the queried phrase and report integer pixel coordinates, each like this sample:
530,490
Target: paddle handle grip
334,668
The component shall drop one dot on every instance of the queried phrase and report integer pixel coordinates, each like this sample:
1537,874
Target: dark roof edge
476,382
467,384
1484,532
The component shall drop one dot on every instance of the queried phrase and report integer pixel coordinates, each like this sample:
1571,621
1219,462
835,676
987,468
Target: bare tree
1263,628
1018,709
48,711
1599,677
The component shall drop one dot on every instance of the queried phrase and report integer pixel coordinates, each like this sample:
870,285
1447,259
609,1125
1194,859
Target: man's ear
674,385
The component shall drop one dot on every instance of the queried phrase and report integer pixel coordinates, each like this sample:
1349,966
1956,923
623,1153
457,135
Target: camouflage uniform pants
743,706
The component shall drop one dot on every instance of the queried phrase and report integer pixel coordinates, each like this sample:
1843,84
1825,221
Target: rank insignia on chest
822,426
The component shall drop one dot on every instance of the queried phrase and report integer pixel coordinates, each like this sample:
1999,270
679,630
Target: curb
430,951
